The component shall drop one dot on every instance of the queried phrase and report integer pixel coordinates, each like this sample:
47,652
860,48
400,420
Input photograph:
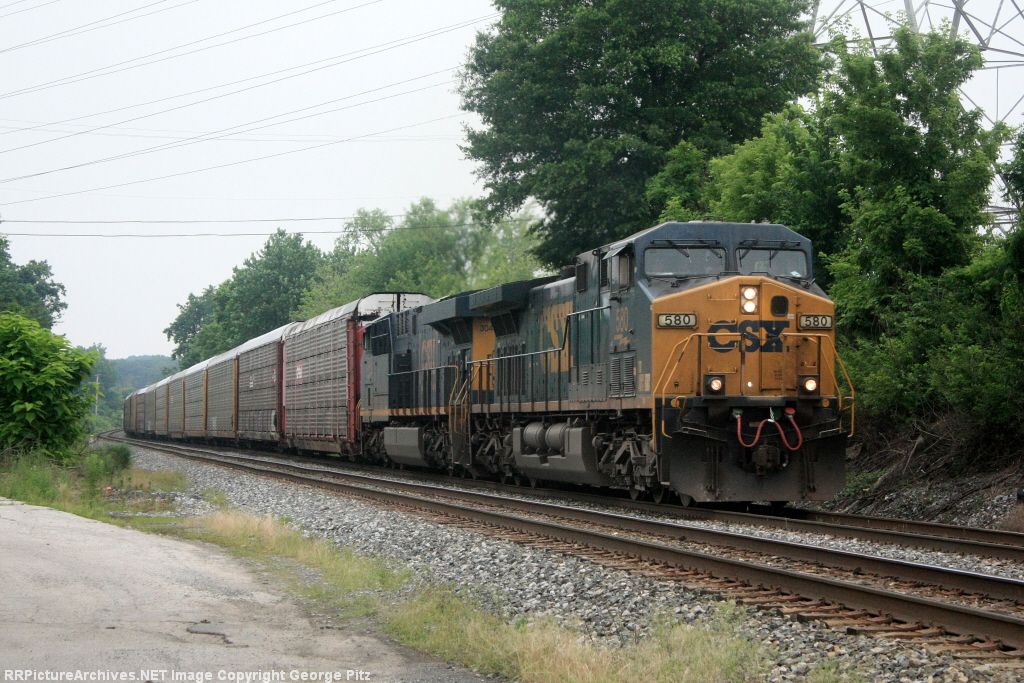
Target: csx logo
748,331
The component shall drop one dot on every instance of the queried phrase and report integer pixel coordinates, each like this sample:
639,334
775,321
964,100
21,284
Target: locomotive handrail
565,338
842,366
560,349
455,380
655,395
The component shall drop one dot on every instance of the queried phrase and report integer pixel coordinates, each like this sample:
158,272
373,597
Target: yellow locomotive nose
747,336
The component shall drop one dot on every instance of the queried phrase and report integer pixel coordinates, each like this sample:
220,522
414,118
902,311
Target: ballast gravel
967,563
607,605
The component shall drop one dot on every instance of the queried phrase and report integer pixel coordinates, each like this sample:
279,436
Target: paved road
80,595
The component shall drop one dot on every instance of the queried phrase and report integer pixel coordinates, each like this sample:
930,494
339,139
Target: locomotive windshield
680,261
776,262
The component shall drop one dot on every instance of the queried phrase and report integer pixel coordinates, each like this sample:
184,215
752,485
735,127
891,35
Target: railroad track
970,614
984,543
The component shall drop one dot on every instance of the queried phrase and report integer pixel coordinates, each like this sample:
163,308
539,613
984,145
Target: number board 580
677,320
815,322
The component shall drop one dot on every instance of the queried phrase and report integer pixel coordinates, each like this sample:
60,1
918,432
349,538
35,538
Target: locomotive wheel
532,482
661,495
634,493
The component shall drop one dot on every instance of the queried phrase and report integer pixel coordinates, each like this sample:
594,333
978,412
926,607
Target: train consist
695,359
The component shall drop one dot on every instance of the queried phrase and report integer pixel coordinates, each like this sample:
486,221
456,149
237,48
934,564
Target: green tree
29,289
135,372
923,303
196,314
431,250
785,175
917,164
581,102
268,287
258,297
43,402
506,254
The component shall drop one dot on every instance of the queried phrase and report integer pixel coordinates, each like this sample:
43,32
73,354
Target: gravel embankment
992,566
608,605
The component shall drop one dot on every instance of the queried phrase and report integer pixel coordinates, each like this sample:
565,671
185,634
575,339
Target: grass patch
215,497
265,537
343,581
830,673
153,480
859,483
446,625
86,484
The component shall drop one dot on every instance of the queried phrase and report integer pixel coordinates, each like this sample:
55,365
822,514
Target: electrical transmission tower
995,26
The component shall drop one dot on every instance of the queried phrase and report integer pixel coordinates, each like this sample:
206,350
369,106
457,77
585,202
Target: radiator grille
622,375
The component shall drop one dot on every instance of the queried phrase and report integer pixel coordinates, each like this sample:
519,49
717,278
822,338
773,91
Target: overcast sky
123,292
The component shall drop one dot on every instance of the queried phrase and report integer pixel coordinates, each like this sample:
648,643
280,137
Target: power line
84,28
283,137
231,163
262,198
27,9
12,4
337,60
189,221
95,73
205,137
180,235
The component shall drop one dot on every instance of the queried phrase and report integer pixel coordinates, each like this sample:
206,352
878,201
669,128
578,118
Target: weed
153,480
1014,520
215,497
444,624
860,483
829,673
77,483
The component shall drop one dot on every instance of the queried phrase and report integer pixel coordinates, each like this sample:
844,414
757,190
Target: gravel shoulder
606,605
80,595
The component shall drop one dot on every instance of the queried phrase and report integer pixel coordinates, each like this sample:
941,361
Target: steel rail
997,536
952,617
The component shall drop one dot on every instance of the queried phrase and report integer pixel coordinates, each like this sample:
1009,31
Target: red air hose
799,435
739,433
782,434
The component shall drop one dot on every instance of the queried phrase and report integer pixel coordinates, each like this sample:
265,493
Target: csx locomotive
692,359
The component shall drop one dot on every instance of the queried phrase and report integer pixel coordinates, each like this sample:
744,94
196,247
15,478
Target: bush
119,456
42,399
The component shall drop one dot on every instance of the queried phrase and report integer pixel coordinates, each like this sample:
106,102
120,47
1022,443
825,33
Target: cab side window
581,276
623,270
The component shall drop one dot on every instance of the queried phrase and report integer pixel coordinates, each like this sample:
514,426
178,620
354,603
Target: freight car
692,359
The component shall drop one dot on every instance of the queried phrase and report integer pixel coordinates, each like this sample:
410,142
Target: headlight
809,385
748,300
714,385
